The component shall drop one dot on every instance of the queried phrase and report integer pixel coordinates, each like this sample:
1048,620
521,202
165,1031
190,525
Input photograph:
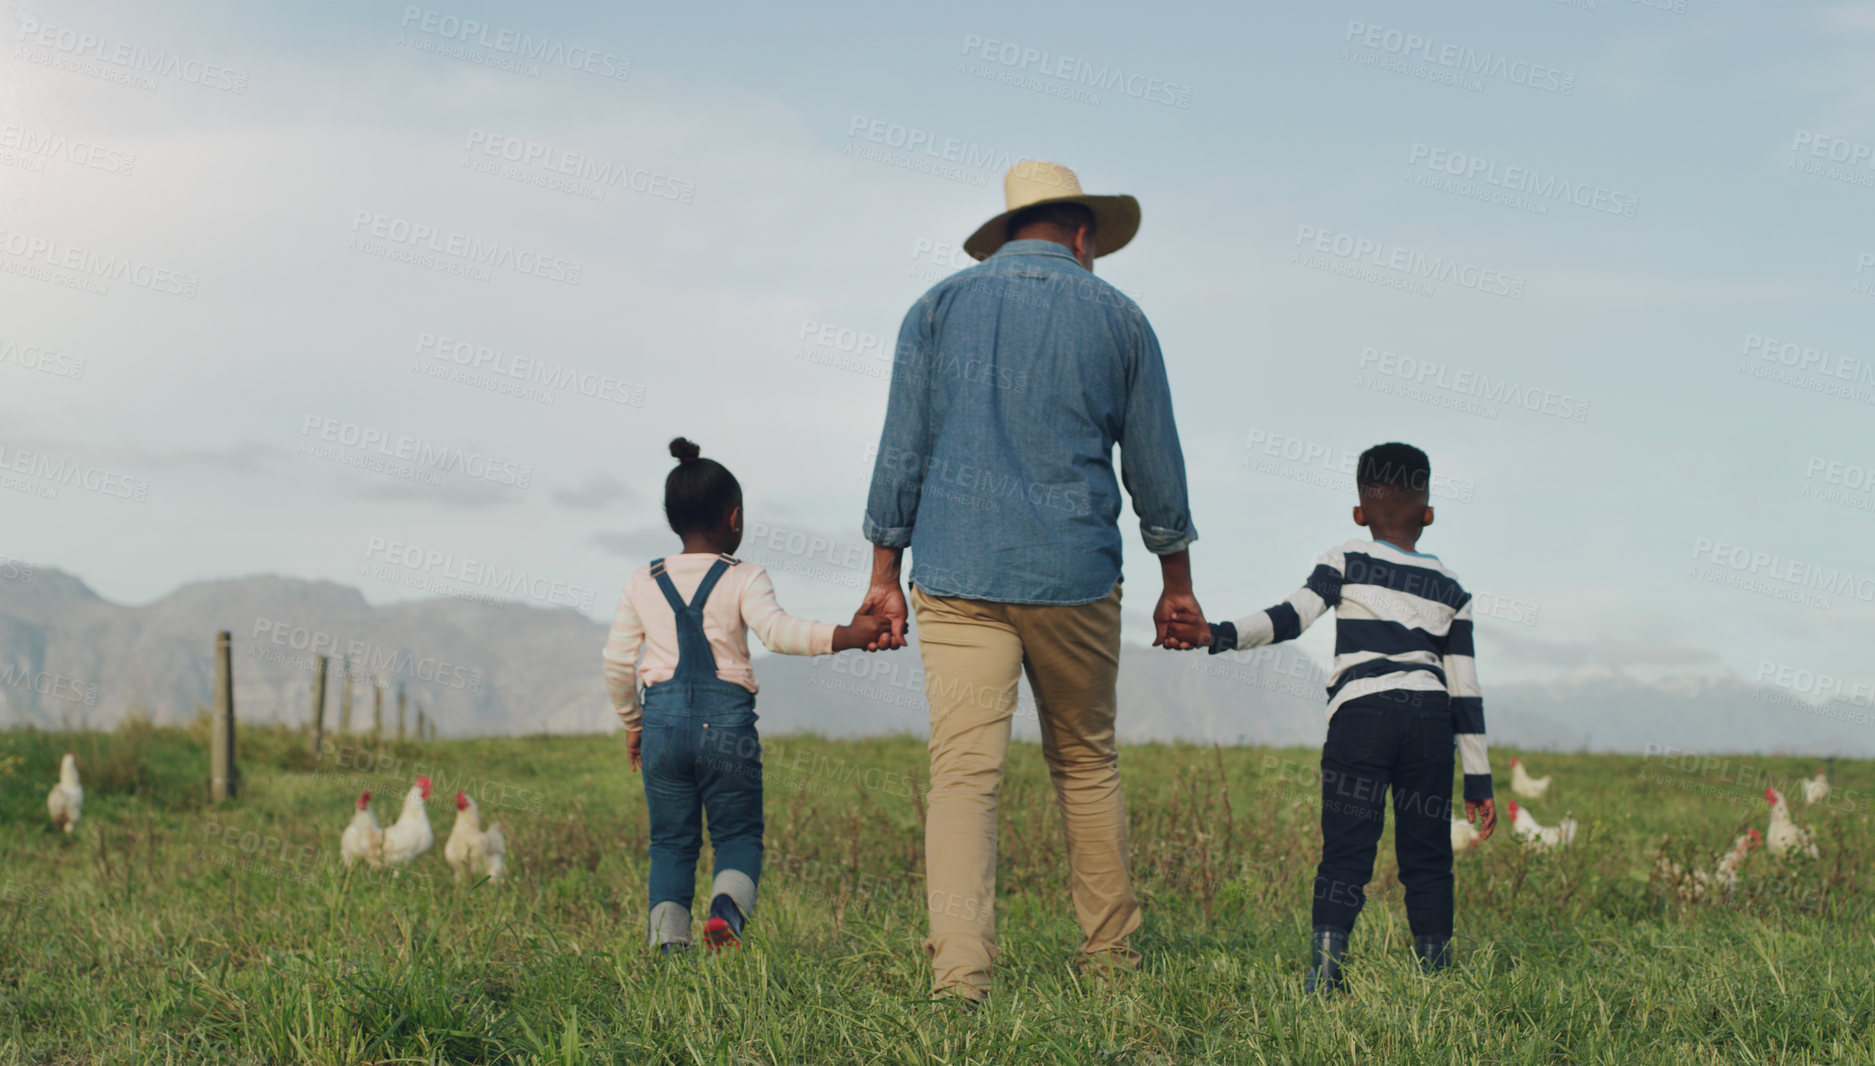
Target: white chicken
1816,790
471,852
1464,836
410,836
68,796
1725,875
1545,837
1785,835
1722,877
1524,785
363,839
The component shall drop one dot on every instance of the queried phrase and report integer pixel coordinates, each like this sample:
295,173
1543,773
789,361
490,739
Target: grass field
166,931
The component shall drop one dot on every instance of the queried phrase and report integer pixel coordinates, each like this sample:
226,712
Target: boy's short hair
1394,468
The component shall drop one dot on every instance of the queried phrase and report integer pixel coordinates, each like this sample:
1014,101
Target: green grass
166,931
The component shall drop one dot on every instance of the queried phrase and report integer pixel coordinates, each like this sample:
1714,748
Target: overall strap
717,570
665,586
695,660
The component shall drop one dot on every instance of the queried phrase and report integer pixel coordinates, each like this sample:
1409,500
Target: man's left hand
1177,621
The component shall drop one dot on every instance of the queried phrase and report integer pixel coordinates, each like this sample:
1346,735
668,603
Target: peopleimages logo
523,371
76,151
1771,566
44,360
1329,466
368,658
1408,262
1459,58
1523,181
911,139
578,166
449,27
1068,74
423,454
49,472
465,249
405,563
102,267
1817,686
130,58
1437,375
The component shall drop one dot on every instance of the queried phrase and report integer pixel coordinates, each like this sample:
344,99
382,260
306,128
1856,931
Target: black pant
1401,740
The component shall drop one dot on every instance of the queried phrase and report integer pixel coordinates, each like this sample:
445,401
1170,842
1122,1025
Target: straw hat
1031,182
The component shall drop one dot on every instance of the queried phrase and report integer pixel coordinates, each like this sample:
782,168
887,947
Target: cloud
471,495
642,545
596,492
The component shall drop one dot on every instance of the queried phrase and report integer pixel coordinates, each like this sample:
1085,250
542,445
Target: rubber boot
1327,946
724,929
1435,952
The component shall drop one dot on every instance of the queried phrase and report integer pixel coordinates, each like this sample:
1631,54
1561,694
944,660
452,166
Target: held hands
868,631
1178,622
884,600
1181,635
1484,813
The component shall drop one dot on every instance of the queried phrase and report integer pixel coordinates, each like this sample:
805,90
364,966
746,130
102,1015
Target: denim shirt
1011,384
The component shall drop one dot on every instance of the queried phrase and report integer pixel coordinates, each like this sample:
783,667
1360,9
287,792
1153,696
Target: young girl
695,739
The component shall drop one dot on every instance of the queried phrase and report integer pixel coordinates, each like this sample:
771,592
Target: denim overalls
701,755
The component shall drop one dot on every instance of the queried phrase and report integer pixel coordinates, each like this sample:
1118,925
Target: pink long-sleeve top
743,600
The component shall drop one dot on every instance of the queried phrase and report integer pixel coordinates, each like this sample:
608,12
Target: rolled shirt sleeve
1152,466
905,443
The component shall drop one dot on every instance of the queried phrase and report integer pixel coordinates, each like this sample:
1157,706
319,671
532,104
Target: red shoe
717,935
724,929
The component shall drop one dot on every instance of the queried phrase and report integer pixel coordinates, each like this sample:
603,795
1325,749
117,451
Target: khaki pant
974,652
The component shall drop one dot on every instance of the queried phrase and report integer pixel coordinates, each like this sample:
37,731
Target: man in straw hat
1012,382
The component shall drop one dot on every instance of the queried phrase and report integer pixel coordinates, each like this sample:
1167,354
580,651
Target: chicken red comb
1513,808
462,800
424,784
1755,835
1513,760
1770,794
364,798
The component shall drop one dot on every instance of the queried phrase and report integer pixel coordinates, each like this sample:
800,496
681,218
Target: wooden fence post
223,782
400,712
319,708
377,709
345,700
422,723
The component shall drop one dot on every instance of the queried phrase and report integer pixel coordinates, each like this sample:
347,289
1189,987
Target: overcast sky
1608,262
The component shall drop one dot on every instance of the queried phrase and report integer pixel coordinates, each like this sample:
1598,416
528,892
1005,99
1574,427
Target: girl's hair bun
684,451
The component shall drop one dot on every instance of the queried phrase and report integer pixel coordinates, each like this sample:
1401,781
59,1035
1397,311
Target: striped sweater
743,600
1402,624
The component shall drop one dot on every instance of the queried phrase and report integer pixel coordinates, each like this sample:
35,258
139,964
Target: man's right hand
886,599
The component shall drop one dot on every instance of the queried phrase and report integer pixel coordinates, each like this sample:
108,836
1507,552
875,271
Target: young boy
1402,695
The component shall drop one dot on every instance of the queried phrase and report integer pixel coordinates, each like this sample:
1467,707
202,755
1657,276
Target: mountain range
70,659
